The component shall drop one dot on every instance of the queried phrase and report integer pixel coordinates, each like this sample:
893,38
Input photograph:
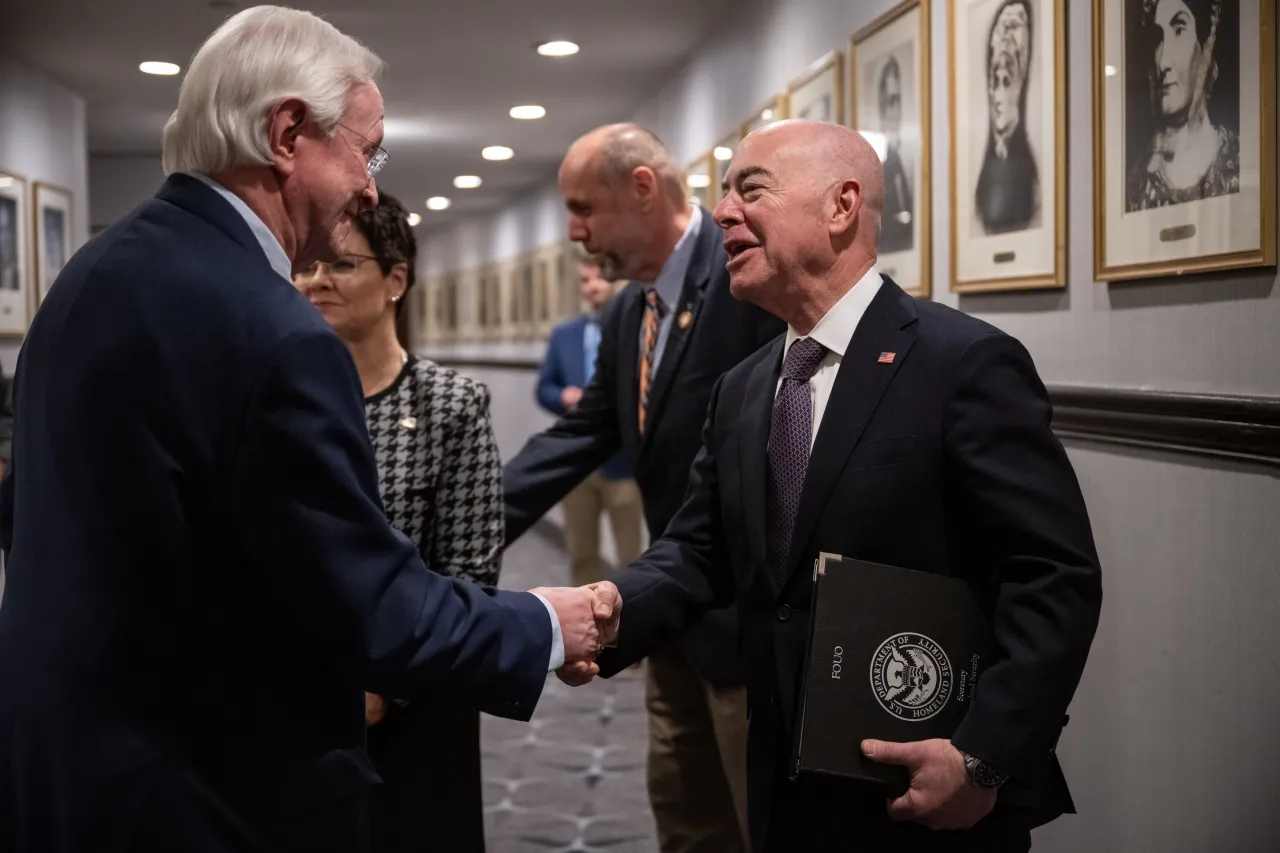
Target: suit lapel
753,464
859,385
628,367
686,313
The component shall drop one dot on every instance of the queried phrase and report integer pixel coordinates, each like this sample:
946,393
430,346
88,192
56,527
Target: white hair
256,59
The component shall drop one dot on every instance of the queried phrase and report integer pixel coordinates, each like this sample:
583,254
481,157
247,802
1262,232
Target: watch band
982,774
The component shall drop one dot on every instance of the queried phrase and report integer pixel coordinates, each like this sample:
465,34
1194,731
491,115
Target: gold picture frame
698,181
899,41
1217,216
15,258
818,93
774,109
1010,237
53,216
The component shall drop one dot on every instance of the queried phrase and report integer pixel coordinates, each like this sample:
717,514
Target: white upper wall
1210,333
43,138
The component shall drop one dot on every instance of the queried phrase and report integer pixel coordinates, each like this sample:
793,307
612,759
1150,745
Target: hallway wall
43,138
1171,746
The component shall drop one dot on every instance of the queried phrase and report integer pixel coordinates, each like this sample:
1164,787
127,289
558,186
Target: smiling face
352,293
773,220
329,181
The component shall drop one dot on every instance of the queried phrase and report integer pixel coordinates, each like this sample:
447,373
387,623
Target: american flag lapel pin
886,358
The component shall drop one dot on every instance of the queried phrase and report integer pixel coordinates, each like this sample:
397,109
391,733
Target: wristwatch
982,774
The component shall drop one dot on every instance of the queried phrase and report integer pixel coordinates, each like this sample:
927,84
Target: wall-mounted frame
52,214
818,93
548,284
721,156
1008,111
697,176
15,263
1184,134
569,299
889,74
774,109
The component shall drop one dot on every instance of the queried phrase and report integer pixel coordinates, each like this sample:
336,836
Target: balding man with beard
889,430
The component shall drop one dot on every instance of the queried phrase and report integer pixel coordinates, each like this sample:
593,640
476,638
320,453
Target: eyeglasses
342,268
378,159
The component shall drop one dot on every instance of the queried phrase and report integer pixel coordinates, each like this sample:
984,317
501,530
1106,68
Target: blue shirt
591,345
670,283
281,264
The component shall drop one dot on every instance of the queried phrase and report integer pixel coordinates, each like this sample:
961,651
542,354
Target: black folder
894,654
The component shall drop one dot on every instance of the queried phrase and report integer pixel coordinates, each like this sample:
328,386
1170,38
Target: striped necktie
652,321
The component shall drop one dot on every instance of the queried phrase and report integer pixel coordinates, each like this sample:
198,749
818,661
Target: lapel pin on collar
686,317
409,423
886,358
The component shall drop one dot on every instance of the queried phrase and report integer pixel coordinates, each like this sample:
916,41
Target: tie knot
803,359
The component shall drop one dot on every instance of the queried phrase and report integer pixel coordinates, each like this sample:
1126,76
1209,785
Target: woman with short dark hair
440,478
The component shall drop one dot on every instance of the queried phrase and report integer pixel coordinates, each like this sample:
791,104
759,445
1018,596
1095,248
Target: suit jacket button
784,613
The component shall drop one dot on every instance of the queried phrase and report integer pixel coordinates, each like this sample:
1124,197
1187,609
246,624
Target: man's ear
284,127
848,204
644,182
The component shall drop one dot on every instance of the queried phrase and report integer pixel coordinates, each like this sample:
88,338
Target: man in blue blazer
566,369
201,580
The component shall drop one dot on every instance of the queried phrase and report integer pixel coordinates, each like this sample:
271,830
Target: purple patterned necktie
790,438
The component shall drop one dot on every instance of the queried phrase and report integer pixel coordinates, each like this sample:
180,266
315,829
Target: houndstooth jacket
438,468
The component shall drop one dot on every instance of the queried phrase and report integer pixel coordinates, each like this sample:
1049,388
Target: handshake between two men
589,618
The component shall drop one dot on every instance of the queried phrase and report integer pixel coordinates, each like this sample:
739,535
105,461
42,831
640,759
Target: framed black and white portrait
1184,136
1008,144
889,86
818,94
53,235
775,109
15,267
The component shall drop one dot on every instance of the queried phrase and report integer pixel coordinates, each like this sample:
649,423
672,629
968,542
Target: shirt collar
670,280
836,328
270,245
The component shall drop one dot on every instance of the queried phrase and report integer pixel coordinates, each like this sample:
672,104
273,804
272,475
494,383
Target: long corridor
572,779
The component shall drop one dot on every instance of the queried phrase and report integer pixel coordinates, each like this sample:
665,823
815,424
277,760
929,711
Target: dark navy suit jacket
201,578
710,333
565,366
941,460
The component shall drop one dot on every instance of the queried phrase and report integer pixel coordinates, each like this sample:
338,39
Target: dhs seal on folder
894,654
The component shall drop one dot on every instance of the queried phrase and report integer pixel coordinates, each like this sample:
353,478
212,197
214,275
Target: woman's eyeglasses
344,267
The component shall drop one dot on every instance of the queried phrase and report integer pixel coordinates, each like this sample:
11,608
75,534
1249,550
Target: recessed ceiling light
467,182
529,111
438,202
414,219
699,181
1110,70
164,69
723,153
767,115
558,48
497,152
6,182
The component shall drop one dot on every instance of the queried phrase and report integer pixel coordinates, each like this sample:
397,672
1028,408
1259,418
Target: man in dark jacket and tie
890,430
202,585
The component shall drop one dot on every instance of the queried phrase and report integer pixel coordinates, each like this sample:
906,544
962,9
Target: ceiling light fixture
530,111
767,115
1109,70
467,182
558,48
723,152
414,219
497,152
699,181
164,69
438,202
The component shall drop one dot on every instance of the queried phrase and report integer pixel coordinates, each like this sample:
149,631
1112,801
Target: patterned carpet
573,779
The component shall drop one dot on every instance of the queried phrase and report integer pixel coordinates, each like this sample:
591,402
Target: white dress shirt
280,263
834,331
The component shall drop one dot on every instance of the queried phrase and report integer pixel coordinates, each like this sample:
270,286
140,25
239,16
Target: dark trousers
431,798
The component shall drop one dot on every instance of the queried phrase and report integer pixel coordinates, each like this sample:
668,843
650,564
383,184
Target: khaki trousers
582,509
697,766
